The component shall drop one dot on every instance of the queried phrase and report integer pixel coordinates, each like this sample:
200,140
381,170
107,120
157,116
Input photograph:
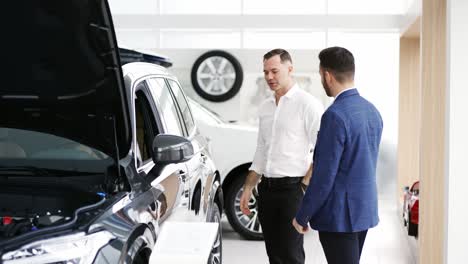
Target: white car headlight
73,249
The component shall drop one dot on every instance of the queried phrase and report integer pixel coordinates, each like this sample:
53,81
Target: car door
166,182
202,172
168,112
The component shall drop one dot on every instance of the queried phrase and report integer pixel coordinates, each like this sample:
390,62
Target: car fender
140,238
215,196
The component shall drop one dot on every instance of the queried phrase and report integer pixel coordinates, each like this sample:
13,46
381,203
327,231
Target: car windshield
201,112
30,149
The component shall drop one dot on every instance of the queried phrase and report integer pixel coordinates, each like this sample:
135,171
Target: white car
232,147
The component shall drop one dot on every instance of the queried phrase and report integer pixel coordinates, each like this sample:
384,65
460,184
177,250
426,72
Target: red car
411,209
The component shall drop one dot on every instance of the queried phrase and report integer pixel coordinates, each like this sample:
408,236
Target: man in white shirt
289,122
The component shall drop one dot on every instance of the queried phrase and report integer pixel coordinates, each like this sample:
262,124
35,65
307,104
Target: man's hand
244,201
250,182
300,229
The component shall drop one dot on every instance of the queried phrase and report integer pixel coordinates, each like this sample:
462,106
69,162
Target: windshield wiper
31,170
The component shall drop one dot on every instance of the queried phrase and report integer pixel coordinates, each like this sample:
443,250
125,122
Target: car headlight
73,249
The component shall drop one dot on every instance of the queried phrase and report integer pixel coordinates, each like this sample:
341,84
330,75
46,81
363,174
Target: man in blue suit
341,199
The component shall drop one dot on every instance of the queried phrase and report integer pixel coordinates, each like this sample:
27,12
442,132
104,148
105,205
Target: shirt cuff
256,169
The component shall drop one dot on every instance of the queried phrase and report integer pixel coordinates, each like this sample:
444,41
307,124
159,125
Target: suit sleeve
312,115
327,156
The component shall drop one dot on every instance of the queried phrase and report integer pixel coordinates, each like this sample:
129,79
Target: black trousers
278,203
342,248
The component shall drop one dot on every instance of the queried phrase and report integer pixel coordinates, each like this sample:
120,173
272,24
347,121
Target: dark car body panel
72,83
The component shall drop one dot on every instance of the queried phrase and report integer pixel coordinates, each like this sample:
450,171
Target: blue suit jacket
342,194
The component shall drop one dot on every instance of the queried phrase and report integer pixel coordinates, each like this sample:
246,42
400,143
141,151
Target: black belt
281,181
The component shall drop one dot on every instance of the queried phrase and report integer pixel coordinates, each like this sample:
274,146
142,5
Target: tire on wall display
217,76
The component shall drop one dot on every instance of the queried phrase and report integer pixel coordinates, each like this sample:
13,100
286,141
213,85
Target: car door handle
182,176
203,158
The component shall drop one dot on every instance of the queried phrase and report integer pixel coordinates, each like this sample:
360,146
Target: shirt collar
289,94
292,91
347,89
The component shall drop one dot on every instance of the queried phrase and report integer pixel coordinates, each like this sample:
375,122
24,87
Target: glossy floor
388,243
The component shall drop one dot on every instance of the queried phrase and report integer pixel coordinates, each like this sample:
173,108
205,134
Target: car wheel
142,257
412,228
247,226
196,201
217,76
216,255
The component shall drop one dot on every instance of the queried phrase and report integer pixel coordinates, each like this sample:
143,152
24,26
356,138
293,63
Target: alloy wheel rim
216,75
250,222
216,250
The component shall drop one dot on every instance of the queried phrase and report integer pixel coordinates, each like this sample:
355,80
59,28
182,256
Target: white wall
377,62
260,6
244,105
377,72
457,213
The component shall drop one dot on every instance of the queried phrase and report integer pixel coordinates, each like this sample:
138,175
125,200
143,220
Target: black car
94,157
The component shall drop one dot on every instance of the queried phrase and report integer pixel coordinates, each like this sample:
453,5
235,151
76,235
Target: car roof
138,70
128,55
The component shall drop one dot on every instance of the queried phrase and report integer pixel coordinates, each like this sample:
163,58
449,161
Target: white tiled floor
388,243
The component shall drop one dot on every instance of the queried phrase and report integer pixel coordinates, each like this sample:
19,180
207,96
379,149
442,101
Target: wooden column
433,153
409,112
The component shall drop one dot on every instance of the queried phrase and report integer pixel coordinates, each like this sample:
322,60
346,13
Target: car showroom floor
388,243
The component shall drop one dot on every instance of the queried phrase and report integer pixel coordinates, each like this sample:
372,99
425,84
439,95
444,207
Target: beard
326,87
275,88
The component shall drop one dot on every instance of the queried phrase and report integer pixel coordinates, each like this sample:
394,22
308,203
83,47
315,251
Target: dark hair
284,55
339,61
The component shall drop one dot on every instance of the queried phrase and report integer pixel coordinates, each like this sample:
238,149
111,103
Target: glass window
133,7
30,145
367,7
204,115
201,6
376,56
144,131
166,105
183,106
137,38
279,7
200,39
290,39
28,150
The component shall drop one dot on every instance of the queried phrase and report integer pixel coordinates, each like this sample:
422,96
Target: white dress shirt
287,134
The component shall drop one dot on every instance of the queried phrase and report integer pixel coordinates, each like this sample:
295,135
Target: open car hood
63,74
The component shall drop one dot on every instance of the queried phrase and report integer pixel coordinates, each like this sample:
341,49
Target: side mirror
171,149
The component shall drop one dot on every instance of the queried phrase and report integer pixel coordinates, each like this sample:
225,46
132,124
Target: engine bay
15,226
27,208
